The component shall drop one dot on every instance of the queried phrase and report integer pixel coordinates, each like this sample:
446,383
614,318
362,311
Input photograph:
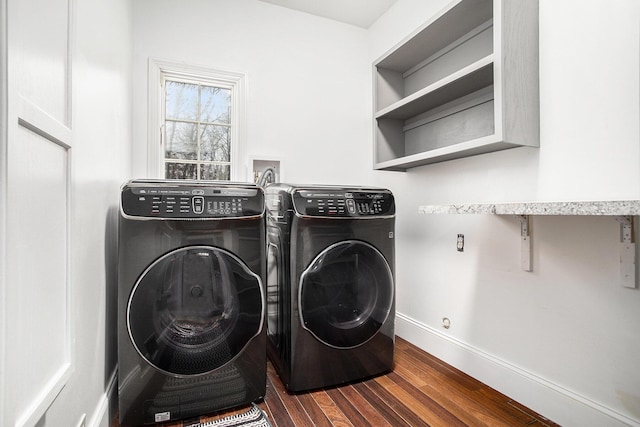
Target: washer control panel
343,203
191,201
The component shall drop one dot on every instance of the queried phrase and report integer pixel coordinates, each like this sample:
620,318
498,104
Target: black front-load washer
191,303
330,284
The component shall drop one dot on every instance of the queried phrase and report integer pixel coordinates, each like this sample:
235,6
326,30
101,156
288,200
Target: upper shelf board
435,33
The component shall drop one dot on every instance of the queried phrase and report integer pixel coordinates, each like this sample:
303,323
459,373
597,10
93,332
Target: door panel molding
35,207
38,265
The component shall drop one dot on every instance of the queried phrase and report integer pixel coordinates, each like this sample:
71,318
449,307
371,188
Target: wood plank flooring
421,391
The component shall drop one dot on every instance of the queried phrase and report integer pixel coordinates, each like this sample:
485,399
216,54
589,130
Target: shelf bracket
627,252
525,242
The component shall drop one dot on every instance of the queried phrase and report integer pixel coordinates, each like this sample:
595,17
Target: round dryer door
194,309
346,294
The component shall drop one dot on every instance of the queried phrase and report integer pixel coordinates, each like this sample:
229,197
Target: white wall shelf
626,212
464,83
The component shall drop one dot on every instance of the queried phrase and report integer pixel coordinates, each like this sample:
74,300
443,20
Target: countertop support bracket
626,212
627,252
525,239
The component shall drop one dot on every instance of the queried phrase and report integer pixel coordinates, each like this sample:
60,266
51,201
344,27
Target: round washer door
194,310
346,294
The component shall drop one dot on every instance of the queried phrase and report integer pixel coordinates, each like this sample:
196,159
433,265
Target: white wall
68,115
562,339
307,77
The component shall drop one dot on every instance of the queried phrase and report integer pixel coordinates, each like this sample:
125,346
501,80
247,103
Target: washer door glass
194,309
346,294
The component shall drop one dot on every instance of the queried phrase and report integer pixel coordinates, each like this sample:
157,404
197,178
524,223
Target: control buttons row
193,205
227,207
171,204
343,207
374,207
327,206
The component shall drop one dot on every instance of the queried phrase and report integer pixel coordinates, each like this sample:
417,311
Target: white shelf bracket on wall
627,252
626,212
525,239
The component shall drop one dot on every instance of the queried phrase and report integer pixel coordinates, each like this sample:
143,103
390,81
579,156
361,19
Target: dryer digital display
334,203
191,202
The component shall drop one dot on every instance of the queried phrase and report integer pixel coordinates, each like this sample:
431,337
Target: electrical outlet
460,243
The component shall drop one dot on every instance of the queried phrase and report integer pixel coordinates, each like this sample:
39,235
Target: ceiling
361,13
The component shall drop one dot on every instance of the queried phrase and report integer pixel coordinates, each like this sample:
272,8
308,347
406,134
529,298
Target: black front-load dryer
191,303
330,284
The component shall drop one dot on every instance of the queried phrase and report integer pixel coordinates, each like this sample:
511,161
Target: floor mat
254,417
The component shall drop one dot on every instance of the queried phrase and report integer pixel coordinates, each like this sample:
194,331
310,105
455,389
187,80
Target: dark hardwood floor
421,391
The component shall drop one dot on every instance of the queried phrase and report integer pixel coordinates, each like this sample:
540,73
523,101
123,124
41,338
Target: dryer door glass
346,294
194,310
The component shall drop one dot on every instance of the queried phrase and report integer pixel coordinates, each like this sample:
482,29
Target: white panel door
36,168
37,292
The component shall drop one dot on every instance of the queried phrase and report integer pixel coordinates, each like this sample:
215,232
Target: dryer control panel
197,201
343,203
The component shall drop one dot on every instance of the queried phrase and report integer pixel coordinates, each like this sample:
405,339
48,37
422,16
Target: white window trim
160,67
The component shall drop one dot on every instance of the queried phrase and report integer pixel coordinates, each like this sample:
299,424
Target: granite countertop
616,207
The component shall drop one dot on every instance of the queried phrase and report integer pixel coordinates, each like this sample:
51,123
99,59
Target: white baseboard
551,400
100,416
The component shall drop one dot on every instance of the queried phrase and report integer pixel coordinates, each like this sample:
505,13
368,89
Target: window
197,130
195,122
